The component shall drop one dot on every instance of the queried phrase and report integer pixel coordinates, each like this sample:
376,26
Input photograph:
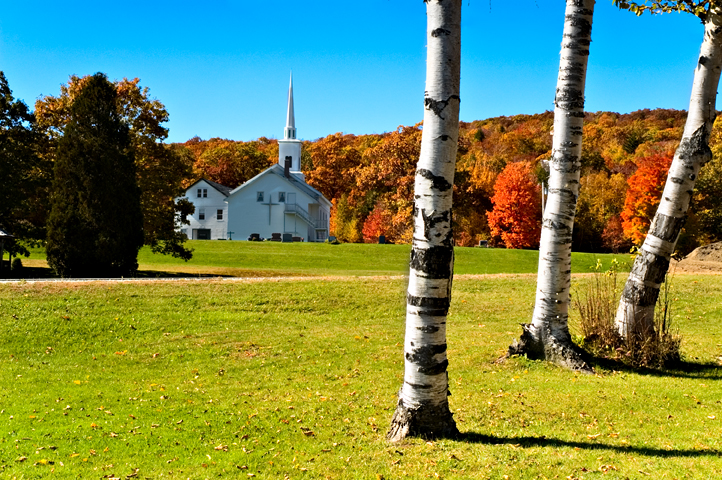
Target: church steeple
289,149
289,133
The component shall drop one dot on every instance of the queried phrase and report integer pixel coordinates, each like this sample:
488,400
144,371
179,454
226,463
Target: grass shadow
162,274
543,441
684,369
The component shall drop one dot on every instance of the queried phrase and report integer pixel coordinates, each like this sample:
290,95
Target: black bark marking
703,60
433,262
695,148
432,303
431,312
438,106
649,267
420,386
424,355
667,228
677,180
437,182
430,223
435,369
569,99
428,329
440,31
640,295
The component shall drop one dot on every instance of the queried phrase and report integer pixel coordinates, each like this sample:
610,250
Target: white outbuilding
210,219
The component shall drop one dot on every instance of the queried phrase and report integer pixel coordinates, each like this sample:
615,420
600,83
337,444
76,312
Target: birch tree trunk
423,407
639,297
547,337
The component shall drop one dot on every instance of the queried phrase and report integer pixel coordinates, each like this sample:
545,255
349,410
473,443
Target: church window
202,214
219,214
205,193
281,197
200,194
259,196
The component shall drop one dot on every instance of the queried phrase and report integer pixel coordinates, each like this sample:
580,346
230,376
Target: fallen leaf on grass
121,353
592,437
221,447
21,459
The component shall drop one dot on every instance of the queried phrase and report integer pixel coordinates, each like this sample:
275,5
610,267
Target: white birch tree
423,408
639,297
547,336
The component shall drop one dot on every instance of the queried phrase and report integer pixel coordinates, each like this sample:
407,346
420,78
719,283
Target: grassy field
297,379
317,259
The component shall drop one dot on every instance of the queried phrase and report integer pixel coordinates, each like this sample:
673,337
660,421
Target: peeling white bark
549,329
423,406
636,307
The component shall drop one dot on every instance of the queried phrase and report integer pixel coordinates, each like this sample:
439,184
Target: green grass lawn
297,379
238,258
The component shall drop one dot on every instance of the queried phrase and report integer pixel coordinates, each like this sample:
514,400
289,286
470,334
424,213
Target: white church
275,202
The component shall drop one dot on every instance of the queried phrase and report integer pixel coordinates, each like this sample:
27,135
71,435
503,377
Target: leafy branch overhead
697,8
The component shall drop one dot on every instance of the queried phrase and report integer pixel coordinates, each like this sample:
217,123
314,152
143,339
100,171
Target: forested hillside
369,178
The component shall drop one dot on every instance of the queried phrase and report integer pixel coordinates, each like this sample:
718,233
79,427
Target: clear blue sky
221,67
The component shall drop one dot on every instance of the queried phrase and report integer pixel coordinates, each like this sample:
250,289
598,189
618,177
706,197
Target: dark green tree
160,168
22,175
95,227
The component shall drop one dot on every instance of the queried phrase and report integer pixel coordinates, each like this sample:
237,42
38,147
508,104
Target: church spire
289,132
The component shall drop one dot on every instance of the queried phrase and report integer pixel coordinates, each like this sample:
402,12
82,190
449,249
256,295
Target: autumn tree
423,407
639,297
377,223
231,163
335,159
601,198
643,196
345,224
707,203
160,170
517,207
95,228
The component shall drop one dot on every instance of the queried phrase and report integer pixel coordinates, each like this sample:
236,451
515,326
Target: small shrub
597,307
17,264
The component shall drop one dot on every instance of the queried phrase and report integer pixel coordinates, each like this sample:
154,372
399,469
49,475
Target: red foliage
644,194
378,223
613,236
517,207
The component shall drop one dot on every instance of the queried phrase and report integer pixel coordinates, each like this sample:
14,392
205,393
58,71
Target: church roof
278,171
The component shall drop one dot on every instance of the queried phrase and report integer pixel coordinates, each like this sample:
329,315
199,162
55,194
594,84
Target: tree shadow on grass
161,274
542,441
682,369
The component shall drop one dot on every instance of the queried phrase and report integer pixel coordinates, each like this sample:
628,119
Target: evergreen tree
95,226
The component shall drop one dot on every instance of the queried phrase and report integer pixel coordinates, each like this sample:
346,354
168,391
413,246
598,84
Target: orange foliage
644,194
379,222
517,207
